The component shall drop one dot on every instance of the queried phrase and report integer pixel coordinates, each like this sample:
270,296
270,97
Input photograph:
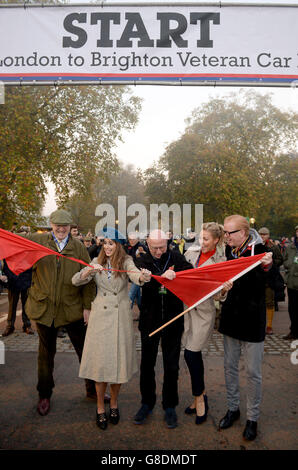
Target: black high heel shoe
114,415
101,420
202,419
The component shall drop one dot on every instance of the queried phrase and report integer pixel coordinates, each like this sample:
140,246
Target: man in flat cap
53,301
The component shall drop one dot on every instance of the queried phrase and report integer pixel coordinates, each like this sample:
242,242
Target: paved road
71,422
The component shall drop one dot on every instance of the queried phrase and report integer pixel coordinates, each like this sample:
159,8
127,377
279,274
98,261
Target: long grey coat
109,353
199,322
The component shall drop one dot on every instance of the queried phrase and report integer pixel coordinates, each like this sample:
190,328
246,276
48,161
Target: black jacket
17,283
131,250
243,314
157,309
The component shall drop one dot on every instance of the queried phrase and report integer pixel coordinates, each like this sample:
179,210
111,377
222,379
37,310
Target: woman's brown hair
117,260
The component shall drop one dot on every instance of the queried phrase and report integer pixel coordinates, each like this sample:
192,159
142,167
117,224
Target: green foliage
233,159
64,134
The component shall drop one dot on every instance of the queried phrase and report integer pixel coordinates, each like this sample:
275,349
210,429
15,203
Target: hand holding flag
194,286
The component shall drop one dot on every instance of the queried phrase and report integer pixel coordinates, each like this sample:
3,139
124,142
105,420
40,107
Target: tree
229,157
64,134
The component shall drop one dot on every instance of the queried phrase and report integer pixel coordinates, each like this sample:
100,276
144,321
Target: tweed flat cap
61,217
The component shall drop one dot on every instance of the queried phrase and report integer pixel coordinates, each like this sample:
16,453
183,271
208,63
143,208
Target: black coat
157,309
243,314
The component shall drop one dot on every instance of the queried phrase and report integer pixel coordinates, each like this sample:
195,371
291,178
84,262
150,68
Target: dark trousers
170,345
13,300
293,310
47,350
195,366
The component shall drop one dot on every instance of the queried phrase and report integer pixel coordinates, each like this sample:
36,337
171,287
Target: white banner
149,43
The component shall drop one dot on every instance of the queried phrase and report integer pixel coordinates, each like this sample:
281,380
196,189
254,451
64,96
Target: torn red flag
194,285
20,253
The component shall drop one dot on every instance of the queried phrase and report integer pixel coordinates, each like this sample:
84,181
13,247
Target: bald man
158,306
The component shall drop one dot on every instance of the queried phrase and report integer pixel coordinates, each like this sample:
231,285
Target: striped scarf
109,270
238,250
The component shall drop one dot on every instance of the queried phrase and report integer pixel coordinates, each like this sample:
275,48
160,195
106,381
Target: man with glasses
158,305
243,323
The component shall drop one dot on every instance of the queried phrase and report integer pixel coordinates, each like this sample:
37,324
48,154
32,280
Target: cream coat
199,322
109,353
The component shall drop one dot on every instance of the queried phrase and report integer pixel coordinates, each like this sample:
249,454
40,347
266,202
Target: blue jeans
135,292
253,357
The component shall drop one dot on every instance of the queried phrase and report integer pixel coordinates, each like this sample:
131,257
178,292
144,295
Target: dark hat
113,234
61,217
264,231
87,239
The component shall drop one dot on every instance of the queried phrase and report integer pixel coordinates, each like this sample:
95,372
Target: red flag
194,285
20,253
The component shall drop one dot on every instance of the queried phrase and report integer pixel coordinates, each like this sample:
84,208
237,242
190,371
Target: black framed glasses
230,233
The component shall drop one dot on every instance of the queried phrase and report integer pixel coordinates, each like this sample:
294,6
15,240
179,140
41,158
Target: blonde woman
199,322
109,354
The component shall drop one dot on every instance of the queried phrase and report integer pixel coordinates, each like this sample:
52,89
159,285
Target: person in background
14,227
17,288
87,243
178,244
291,267
94,249
199,322
74,231
190,238
135,248
3,278
90,235
158,306
277,261
243,322
109,354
